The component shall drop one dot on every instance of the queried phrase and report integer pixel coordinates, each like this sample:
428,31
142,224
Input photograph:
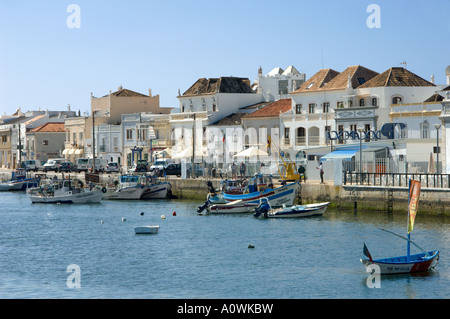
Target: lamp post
360,130
437,126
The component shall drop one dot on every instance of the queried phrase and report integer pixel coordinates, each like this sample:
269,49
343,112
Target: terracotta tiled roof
271,110
232,119
329,79
397,76
50,127
434,98
358,76
128,93
220,85
317,81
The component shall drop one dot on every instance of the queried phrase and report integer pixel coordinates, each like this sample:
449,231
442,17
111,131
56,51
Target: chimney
150,92
432,78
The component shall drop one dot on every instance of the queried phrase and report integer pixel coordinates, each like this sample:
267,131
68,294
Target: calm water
205,256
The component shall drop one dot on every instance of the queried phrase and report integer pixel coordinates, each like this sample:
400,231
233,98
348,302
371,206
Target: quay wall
368,198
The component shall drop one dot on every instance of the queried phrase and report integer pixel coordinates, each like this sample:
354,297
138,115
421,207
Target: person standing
301,173
233,171
242,170
320,168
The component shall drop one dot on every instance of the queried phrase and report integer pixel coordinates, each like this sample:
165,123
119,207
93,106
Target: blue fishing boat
264,210
262,187
19,181
423,261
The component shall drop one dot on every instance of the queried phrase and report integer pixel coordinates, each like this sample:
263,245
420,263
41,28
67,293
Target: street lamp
437,126
360,130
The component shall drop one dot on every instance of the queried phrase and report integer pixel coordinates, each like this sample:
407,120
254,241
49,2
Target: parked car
66,167
112,167
173,169
139,166
52,165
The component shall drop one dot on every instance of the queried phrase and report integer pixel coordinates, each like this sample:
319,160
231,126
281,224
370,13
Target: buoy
163,217
174,214
251,246
124,219
142,213
102,222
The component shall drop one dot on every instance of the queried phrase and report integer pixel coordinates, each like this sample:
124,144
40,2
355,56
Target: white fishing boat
236,207
159,190
296,211
65,192
147,229
19,181
130,187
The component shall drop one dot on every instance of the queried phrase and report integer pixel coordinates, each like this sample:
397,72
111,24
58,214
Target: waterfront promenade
352,197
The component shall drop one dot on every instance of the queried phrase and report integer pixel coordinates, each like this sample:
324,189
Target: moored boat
410,263
19,181
296,211
146,229
158,190
130,187
236,207
65,192
262,187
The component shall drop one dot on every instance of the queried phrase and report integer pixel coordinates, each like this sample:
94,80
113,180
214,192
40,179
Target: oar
405,238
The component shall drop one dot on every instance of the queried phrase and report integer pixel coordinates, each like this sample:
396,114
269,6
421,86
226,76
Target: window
374,101
340,104
286,136
214,107
396,100
361,102
298,109
326,107
424,130
81,136
45,142
129,134
310,85
74,137
312,108
361,81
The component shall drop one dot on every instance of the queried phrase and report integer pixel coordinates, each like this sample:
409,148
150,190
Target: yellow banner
414,192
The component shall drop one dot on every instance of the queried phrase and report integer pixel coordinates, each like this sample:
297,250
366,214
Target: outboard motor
262,208
200,209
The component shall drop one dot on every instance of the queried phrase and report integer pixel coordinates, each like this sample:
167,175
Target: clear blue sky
167,45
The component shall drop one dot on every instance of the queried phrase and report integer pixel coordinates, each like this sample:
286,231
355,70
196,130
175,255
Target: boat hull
18,185
146,230
299,211
400,265
285,194
126,193
157,191
236,207
94,196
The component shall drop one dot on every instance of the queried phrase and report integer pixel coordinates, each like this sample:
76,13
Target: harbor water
92,251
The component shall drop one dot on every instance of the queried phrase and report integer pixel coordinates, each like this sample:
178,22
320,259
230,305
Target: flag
366,253
414,192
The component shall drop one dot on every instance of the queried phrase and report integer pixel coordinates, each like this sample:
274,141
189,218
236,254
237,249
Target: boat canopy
343,154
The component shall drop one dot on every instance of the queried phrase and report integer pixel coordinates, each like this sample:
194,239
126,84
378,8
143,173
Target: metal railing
395,179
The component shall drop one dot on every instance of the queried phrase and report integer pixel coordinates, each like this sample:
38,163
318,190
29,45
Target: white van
53,164
81,164
100,164
31,165
161,163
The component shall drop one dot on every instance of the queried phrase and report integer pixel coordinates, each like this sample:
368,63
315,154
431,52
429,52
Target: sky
167,45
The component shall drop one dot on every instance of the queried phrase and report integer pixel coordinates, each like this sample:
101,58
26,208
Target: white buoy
163,217
102,222
124,219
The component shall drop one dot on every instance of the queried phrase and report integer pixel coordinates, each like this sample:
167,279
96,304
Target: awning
65,151
339,155
79,151
71,151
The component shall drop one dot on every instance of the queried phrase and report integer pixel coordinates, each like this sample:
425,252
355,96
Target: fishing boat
65,191
296,211
236,207
408,263
129,187
159,190
19,181
262,186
